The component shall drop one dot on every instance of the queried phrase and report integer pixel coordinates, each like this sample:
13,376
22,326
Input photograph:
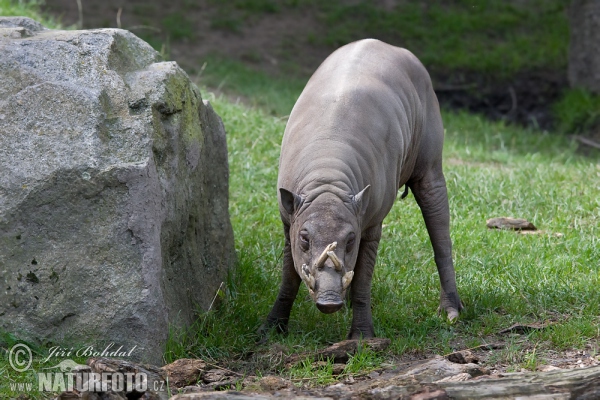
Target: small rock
184,372
338,368
374,375
271,383
516,224
462,357
478,371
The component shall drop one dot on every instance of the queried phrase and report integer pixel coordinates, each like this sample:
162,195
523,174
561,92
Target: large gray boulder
113,191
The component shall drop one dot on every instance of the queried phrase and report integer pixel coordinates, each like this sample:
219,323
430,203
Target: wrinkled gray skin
367,123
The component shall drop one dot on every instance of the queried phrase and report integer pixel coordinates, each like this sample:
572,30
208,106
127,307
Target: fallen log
579,383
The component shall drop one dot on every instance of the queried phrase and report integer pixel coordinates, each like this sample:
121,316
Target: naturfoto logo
68,375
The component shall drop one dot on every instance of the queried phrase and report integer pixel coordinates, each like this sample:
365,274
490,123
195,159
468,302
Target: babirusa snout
308,276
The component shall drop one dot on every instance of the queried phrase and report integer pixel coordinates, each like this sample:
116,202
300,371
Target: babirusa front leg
360,289
290,283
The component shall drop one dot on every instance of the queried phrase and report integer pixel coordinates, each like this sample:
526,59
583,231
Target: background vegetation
488,46
27,8
449,34
492,169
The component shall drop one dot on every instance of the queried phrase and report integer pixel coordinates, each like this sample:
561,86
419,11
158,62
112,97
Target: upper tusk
323,257
336,261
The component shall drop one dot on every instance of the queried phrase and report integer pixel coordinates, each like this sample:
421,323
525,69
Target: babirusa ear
358,201
290,201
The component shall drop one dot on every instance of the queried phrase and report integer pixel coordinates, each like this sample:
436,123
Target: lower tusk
305,270
336,261
347,279
307,277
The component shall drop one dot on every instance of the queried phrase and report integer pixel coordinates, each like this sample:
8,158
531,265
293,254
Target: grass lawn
504,278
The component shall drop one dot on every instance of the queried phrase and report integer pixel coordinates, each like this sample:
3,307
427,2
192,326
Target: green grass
27,8
492,170
274,95
577,111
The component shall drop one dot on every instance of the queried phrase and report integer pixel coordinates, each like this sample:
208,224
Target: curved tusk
336,261
347,279
323,257
307,277
305,270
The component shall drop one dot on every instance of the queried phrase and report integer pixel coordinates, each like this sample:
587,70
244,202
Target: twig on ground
488,346
586,141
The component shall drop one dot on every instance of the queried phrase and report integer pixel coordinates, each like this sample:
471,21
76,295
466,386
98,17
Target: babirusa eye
304,242
350,242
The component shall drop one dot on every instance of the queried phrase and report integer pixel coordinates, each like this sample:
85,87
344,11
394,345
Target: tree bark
584,47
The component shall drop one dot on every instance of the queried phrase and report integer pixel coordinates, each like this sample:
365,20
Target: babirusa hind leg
432,197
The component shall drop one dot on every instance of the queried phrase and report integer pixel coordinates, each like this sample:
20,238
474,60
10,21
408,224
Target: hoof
451,313
357,334
263,333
